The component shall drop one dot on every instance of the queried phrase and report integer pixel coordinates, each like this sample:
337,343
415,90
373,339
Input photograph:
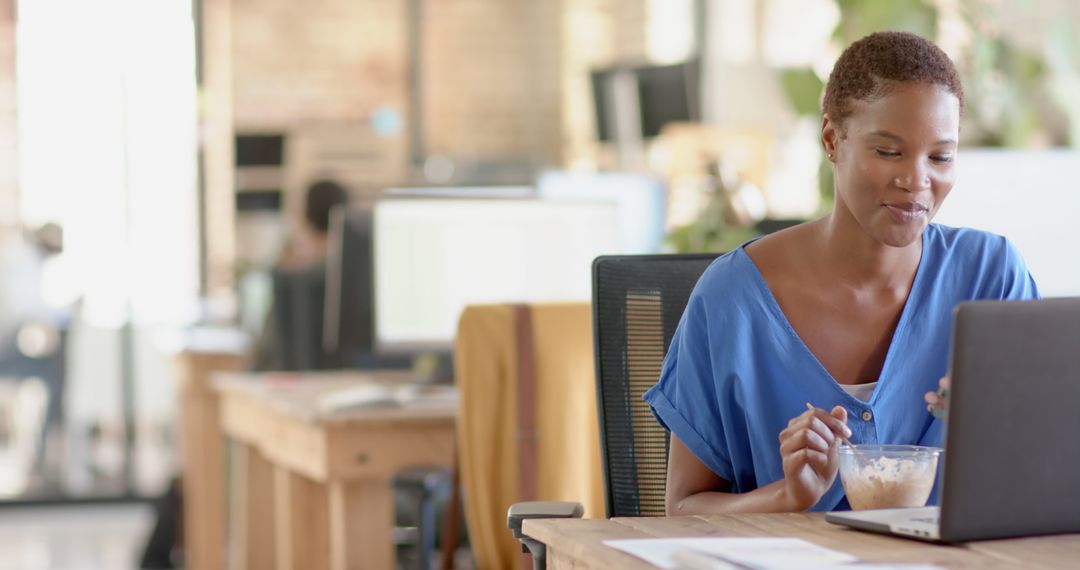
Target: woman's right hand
809,447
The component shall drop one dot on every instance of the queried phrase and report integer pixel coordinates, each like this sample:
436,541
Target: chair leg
425,542
451,526
424,486
537,549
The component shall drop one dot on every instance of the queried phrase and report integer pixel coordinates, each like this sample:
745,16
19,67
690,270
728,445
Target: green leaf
803,89
860,18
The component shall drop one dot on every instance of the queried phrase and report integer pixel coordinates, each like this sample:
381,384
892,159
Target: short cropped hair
868,67
322,196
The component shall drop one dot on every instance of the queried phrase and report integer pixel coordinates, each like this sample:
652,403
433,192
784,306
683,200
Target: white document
758,553
739,553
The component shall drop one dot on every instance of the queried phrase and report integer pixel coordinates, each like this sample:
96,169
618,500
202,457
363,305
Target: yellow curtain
568,449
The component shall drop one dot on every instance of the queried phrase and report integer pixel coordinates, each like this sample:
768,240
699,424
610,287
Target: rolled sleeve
674,421
685,400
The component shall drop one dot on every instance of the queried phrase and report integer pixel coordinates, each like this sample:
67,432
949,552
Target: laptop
1012,439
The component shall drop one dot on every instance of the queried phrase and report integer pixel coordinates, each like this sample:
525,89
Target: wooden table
203,445
577,543
311,489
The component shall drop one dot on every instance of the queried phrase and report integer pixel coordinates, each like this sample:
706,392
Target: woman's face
895,160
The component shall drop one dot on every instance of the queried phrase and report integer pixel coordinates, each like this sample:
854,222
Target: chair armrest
519,512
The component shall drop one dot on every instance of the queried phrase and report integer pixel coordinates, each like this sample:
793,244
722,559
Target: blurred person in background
22,261
308,246
32,334
299,282
302,261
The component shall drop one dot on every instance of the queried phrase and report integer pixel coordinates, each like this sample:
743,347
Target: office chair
296,321
637,303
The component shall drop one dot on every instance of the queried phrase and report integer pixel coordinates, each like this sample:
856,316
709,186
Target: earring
829,155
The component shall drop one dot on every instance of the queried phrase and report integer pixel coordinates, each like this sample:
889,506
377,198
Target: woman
850,313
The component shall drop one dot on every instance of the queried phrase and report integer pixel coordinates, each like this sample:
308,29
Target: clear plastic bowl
887,476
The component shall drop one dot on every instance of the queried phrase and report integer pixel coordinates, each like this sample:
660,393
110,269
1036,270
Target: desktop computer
398,274
432,257
347,311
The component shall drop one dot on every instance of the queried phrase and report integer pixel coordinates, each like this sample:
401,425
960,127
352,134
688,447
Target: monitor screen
658,95
433,257
348,321
1028,196
667,94
639,200
348,317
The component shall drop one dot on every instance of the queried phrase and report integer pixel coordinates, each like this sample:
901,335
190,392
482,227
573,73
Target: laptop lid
1012,461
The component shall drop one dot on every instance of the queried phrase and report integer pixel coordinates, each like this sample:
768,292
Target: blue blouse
737,372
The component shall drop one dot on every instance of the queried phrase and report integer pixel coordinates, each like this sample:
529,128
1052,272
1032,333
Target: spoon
811,407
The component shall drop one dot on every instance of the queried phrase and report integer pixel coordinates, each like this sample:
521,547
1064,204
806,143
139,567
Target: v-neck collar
774,307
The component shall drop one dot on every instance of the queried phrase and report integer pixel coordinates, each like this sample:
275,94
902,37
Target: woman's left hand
936,401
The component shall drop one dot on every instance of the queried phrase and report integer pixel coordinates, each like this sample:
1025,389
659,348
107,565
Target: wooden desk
203,451
577,543
313,490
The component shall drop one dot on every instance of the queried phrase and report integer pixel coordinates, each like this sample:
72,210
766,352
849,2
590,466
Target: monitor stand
432,367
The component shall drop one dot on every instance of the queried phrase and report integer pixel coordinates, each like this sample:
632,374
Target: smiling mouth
907,212
913,207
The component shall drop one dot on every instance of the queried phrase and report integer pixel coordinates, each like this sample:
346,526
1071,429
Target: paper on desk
693,559
886,566
758,552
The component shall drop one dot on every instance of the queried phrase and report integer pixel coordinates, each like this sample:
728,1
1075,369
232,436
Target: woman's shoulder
728,273
742,272
987,262
969,243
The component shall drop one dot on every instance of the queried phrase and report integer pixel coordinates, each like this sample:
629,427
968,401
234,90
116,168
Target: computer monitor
297,320
1030,197
667,94
640,202
348,325
433,257
653,95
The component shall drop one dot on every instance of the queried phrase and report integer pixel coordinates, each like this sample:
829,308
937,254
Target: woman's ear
830,135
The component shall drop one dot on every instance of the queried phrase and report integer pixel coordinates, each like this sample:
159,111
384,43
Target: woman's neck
856,259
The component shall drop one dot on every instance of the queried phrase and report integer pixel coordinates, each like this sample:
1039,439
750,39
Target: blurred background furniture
203,450
33,363
524,440
295,323
419,492
313,461
637,303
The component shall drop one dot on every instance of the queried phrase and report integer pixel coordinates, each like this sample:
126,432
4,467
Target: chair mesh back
637,303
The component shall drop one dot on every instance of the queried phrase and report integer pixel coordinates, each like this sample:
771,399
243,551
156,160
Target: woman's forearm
772,498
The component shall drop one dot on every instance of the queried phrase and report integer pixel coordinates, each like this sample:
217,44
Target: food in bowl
887,476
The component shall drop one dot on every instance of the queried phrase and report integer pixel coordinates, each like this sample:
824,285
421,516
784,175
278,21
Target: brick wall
318,71
491,79
597,33
510,79
502,81
316,60
216,140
